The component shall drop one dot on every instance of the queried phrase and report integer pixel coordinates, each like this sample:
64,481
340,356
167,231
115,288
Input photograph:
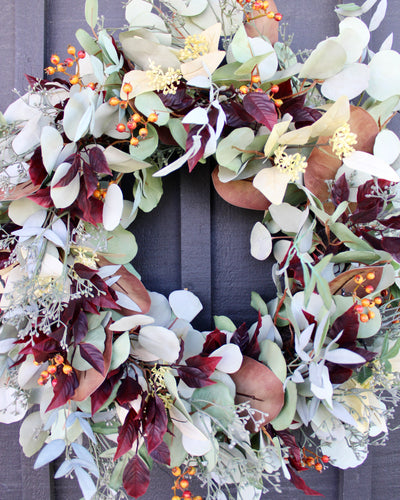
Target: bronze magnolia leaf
20,191
345,284
263,26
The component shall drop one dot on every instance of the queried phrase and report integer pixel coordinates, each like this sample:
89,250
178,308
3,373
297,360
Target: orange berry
152,118
176,471
384,293
54,59
81,54
134,141
259,91
255,79
60,68
71,50
371,276
143,132
127,88
244,89
114,101
44,374
131,125
74,80
58,359
371,314
271,15
187,494
50,70
54,382
278,17
318,467
278,103
364,318
310,461
97,194
52,369
369,288
325,459
378,301
136,117
365,302
41,381
120,127
197,497
67,369
274,89
184,483
123,104
265,5
175,497
69,62
191,471
358,279
91,85
359,309
36,363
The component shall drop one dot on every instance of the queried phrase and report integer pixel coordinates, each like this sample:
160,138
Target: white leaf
372,165
29,137
387,43
113,206
304,338
354,37
64,196
54,238
231,358
260,242
20,210
351,81
127,302
272,183
378,16
185,304
387,146
186,427
290,219
51,143
384,79
160,341
106,271
49,453
182,160
129,322
198,447
197,116
86,483
344,356
160,309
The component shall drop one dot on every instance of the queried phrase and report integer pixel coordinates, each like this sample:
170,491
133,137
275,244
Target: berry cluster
55,364
69,62
312,460
182,483
259,6
364,307
254,87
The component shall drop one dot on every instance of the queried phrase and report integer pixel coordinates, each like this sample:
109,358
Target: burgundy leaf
206,364
338,374
79,327
253,348
93,356
205,135
392,245
71,174
194,377
236,115
128,433
214,340
241,337
37,170
88,209
295,459
64,389
340,190
128,391
84,272
348,324
161,454
136,477
301,485
301,115
180,102
392,222
261,108
44,349
91,180
155,423
98,161
102,393
42,197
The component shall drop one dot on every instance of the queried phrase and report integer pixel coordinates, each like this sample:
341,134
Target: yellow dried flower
158,385
195,47
292,165
342,141
85,256
165,81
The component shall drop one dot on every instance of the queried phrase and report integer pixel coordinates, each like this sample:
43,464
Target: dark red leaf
214,340
205,135
206,364
338,374
302,115
37,170
294,450
129,390
155,422
91,180
241,337
128,433
194,377
93,356
42,197
180,102
301,485
253,348
261,108
340,190
44,349
161,454
87,209
136,477
392,245
348,324
79,327
236,115
98,161
71,174
64,389
102,393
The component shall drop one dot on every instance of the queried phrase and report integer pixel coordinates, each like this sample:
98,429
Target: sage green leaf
249,65
148,103
363,257
240,47
146,146
216,400
285,417
349,238
151,189
31,426
372,326
224,323
121,246
178,132
258,304
120,351
271,355
228,151
226,75
91,12
324,291
328,58
177,452
119,161
87,42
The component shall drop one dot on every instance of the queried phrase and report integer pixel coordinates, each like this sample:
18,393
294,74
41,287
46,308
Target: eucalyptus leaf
91,12
120,351
271,355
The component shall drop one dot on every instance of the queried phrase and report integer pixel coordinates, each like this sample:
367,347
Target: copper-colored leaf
20,191
262,25
130,286
90,380
258,385
323,164
240,193
344,283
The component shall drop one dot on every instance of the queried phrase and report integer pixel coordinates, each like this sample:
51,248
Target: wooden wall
193,239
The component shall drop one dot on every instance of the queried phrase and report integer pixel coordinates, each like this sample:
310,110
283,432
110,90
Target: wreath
113,377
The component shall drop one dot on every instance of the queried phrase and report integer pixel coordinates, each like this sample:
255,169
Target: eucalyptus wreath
109,377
